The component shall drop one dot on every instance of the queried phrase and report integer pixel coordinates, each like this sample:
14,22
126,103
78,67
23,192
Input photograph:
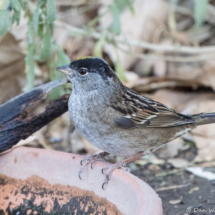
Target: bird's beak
64,69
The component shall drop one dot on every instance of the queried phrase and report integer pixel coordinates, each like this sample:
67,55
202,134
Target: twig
172,187
176,59
22,126
145,45
170,172
170,58
15,121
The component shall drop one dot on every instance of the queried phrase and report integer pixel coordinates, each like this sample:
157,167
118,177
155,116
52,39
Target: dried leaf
12,65
176,201
153,167
178,162
153,159
131,79
96,19
171,149
193,189
148,17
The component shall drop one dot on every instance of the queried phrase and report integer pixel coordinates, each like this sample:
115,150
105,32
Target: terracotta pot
37,180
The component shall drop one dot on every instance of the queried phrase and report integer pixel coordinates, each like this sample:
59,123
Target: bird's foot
108,169
91,159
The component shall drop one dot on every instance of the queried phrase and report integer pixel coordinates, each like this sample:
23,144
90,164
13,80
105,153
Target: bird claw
107,170
92,162
103,170
104,185
79,174
90,159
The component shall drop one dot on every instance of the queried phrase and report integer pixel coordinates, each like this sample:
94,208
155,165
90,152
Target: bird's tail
204,118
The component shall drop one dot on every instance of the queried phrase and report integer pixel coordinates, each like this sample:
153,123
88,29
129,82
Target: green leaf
62,59
37,15
116,19
5,21
59,91
99,45
36,18
129,3
120,70
16,11
46,44
51,11
30,58
4,4
16,17
122,4
16,5
200,12
129,52
41,26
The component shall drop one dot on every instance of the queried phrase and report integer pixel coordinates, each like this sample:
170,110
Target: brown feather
146,112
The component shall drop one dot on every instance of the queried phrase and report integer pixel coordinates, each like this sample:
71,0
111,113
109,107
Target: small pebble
153,167
55,140
212,182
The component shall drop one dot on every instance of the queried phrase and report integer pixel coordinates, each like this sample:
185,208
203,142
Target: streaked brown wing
140,111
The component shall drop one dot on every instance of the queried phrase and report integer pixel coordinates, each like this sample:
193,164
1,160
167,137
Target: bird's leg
121,164
91,159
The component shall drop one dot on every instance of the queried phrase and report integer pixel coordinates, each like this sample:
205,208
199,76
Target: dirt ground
183,193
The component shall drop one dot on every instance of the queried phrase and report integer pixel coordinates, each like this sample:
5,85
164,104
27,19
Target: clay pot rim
139,187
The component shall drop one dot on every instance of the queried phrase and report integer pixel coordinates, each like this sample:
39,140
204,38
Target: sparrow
118,120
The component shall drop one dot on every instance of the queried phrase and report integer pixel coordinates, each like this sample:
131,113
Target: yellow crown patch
85,57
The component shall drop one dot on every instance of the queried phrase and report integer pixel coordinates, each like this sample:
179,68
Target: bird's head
89,73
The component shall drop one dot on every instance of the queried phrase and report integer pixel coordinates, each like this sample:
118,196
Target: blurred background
164,49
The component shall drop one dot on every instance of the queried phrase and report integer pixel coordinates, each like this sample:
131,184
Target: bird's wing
140,111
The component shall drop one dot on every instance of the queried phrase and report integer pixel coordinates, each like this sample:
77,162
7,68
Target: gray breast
88,117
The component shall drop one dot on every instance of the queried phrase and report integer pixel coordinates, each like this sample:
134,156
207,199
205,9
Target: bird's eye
82,71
